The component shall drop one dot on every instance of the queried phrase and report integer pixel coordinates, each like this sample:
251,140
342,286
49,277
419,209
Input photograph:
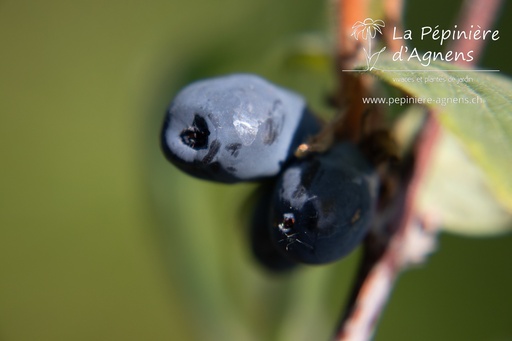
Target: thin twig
410,244
349,12
482,13
393,17
350,87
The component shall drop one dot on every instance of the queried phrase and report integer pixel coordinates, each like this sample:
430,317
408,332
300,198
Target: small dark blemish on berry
270,130
214,149
234,149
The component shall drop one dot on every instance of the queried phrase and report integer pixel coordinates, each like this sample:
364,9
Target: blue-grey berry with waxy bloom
235,128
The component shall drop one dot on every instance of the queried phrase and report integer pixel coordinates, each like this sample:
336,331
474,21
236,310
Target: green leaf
483,128
454,192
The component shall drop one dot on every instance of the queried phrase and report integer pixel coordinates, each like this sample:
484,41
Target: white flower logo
368,30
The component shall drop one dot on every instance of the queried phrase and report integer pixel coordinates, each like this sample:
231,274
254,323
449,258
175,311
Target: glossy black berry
322,205
235,128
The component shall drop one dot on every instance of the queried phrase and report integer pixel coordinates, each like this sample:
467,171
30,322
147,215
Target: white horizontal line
470,70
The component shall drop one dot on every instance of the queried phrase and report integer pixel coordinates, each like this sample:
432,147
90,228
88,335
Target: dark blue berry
322,205
235,128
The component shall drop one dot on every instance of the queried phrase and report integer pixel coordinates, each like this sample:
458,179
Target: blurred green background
102,239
